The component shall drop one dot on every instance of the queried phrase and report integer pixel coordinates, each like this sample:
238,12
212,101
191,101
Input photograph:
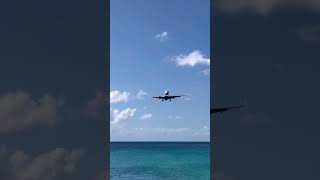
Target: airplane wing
172,97
167,97
158,97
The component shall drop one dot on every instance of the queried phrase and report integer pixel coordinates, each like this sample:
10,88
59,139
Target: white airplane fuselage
166,93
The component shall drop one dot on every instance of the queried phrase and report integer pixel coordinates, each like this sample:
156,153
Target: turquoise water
155,161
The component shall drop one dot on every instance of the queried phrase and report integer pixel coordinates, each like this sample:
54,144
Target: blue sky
158,46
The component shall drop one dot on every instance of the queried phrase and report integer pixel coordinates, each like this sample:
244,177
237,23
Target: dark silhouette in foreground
222,110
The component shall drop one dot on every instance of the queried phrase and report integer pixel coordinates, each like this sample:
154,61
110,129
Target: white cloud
123,97
192,59
206,72
118,117
162,134
146,116
175,117
119,97
141,94
162,36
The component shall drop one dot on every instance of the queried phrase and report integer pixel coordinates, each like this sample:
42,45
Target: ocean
160,160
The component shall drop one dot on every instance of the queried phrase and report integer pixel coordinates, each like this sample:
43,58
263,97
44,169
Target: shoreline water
159,160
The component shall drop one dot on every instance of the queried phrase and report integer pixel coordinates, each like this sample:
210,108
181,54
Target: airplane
166,96
222,110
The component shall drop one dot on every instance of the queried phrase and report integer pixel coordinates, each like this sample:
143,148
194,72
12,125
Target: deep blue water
159,160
